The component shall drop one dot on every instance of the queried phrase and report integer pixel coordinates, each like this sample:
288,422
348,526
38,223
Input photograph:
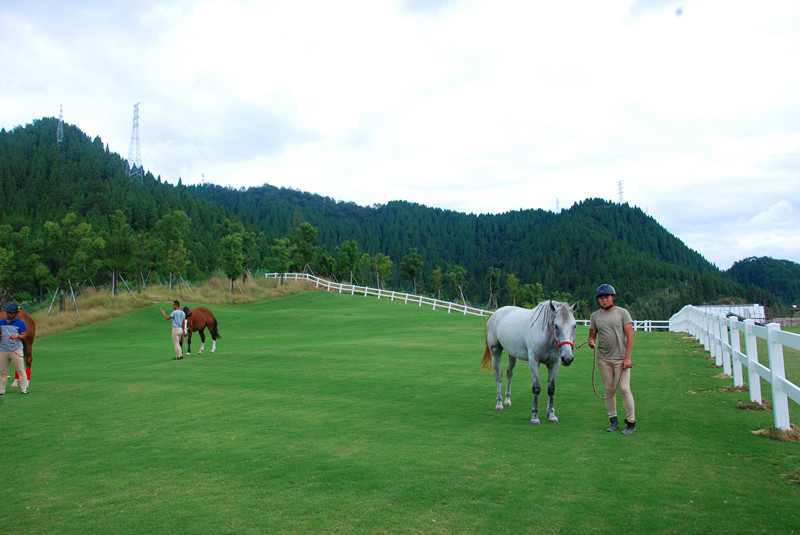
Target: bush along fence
721,335
639,325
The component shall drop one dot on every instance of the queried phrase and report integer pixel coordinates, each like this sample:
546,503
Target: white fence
712,330
388,294
643,325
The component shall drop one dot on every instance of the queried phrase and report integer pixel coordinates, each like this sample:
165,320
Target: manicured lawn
327,413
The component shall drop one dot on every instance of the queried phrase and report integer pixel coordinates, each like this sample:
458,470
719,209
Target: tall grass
328,413
93,305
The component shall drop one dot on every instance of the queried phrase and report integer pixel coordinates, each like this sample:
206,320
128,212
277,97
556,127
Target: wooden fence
721,336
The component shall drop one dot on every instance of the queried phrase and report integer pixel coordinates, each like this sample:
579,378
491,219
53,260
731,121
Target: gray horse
543,335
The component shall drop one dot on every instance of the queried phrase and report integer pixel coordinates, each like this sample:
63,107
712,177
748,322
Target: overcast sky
689,110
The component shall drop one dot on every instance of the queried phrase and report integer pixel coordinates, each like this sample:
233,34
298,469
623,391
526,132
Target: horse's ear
552,306
575,306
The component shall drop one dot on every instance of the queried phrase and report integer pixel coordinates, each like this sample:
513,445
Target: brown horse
198,319
27,344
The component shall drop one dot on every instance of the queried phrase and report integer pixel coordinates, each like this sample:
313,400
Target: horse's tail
486,361
214,332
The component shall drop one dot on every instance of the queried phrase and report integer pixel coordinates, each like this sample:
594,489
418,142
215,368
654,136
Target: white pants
611,370
7,357
177,338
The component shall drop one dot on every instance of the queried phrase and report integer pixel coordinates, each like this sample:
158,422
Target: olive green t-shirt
610,333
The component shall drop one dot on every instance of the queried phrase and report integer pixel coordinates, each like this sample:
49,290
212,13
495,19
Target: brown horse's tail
486,361
214,332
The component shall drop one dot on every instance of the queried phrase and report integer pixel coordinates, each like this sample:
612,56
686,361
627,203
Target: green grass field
327,413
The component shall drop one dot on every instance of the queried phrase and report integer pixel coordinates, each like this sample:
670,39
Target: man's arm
628,329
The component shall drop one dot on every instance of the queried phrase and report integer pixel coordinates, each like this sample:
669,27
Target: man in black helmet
611,333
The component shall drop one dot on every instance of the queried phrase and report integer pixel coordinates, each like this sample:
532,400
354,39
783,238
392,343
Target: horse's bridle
558,345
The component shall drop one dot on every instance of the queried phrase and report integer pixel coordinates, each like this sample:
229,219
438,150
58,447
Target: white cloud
477,106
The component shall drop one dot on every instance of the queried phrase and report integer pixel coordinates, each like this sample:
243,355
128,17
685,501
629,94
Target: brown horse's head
187,311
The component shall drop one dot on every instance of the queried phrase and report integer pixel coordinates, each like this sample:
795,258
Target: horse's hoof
553,420
535,421
200,352
498,407
507,403
212,350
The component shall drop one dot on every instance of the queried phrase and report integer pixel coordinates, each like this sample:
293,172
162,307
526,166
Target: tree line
74,216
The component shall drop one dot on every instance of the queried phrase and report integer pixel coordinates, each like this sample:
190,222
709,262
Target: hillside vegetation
73,218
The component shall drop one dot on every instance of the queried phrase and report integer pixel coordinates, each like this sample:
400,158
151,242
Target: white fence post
751,346
736,352
780,402
724,345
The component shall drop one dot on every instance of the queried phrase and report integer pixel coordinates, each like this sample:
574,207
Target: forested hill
561,255
780,277
593,241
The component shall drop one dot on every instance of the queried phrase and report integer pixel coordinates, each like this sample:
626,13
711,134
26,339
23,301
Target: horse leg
498,378
552,371
536,389
189,343
202,339
509,374
214,335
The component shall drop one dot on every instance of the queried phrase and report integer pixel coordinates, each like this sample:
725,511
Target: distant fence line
712,330
642,325
379,293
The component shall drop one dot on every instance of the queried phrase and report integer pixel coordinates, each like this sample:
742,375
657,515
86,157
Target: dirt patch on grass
792,435
734,388
795,478
753,406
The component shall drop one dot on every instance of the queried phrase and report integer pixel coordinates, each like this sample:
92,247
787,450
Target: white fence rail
366,291
721,336
642,325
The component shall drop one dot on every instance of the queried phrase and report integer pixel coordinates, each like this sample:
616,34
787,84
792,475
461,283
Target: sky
689,110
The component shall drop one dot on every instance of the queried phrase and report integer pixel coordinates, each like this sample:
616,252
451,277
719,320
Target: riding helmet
12,308
605,289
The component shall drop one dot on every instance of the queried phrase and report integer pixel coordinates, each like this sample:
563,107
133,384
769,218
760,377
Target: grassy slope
324,413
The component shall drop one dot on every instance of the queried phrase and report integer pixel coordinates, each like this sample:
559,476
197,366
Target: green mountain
779,277
193,231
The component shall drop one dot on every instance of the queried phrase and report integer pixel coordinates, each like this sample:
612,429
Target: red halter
555,341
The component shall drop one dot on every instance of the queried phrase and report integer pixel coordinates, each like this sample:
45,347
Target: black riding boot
614,425
629,429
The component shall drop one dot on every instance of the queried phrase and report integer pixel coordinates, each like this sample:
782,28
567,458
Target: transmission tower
60,130
135,169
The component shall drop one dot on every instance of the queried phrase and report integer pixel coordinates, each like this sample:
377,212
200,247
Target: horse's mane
547,314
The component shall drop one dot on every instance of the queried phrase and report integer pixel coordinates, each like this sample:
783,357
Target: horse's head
564,329
187,311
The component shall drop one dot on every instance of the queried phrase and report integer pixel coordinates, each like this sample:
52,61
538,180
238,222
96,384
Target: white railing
640,325
388,294
712,329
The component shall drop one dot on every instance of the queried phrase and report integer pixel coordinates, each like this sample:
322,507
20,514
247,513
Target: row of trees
188,232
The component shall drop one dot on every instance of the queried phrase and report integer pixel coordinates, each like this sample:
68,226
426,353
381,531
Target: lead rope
15,351
594,366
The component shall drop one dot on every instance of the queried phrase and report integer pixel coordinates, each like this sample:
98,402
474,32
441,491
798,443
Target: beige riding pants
611,370
177,338
6,357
